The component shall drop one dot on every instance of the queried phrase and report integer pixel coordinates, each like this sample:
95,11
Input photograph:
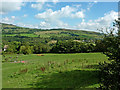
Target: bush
110,72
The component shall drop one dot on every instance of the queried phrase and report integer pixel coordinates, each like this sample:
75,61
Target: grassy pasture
66,33
52,70
48,32
28,35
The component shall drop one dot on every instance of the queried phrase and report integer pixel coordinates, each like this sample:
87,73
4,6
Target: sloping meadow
52,70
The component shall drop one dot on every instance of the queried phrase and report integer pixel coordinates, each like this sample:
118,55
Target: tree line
66,46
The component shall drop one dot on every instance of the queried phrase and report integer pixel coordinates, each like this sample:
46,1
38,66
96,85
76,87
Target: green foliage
110,72
72,47
113,48
109,75
67,46
100,46
25,50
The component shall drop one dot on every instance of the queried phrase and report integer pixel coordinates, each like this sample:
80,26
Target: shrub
110,72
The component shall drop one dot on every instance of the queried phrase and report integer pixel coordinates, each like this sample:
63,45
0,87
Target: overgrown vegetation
110,72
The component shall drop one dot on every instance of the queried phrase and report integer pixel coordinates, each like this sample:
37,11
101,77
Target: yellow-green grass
47,35
28,35
48,32
61,71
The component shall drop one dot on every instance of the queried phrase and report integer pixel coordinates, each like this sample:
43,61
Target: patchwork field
79,70
9,30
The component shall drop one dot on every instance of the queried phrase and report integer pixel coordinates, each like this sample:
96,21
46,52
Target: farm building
5,47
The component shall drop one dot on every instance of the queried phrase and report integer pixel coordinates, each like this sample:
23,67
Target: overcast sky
70,15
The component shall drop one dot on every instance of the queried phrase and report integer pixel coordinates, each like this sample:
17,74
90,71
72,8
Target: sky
69,15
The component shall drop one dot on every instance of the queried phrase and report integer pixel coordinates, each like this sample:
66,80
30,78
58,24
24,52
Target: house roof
5,46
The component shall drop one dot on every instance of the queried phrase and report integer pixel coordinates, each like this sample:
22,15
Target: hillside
9,30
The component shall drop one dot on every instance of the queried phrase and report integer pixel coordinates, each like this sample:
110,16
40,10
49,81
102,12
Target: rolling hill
9,30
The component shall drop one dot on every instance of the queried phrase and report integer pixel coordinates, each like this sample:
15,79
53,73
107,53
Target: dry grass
47,32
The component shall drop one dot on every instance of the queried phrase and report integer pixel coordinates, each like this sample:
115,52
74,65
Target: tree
100,46
71,46
10,49
25,50
110,72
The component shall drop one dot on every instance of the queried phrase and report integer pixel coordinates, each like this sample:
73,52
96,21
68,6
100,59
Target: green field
61,70
28,35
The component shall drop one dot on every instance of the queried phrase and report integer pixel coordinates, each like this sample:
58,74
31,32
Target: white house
5,47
